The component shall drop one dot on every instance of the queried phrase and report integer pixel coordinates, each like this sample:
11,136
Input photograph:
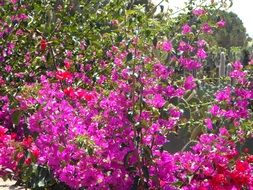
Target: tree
234,33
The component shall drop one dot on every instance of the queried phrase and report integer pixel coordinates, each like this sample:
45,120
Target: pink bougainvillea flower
221,23
223,131
35,152
174,113
237,65
161,71
80,93
28,161
189,64
13,1
2,81
22,16
206,28
68,63
223,95
8,68
201,53
219,179
201,43
157,101
13,136
83,45
83,94
186,29
69,92
43,45
198,12
185,47
63,75
104,124
167,46
215,110
189,83
88,96
27,142
69,54
20,32
239,76
118,61
208,123
2,130
250,159
115,22
242,166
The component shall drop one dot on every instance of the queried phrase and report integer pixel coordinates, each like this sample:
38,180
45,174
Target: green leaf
155,41
147,153
129,57
16,116
196,132
126,161
119,38
145,172
131,12
147,33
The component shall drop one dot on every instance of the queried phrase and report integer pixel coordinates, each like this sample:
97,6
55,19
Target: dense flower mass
101,105
186,29
167,46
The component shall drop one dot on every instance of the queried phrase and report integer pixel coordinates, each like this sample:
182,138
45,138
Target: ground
9,185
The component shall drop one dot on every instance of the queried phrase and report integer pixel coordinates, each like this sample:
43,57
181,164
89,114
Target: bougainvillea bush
92,90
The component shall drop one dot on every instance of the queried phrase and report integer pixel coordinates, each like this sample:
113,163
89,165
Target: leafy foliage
92,93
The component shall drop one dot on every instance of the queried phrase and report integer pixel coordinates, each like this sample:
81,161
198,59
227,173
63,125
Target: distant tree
234,34
146,3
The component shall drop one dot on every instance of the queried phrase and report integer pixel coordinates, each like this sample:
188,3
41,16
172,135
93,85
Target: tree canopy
234,33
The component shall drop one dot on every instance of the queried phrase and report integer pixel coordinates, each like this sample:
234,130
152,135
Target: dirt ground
9,185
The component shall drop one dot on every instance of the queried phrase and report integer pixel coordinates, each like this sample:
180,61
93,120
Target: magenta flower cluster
108,131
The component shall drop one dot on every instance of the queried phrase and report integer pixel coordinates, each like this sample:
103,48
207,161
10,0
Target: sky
243,8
